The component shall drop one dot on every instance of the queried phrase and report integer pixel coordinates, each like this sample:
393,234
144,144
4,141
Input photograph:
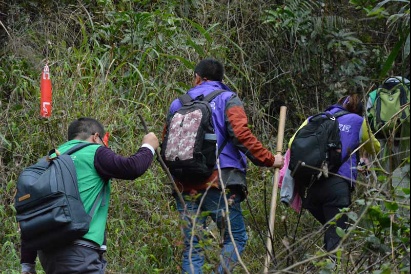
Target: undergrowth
115,60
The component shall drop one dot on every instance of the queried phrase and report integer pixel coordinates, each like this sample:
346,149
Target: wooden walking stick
280,138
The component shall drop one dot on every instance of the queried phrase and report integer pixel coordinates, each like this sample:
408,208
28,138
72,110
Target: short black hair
210,69
83,127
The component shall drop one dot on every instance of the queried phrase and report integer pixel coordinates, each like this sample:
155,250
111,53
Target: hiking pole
163,165
280,137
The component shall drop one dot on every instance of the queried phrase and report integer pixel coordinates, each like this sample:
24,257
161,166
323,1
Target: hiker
326,196
95,166
205,197
394,147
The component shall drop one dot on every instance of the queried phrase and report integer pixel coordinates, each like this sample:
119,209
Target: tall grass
115,61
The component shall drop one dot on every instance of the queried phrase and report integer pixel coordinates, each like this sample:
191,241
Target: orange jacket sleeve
242,137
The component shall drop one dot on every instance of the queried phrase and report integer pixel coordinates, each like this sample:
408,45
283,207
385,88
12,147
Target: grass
114,64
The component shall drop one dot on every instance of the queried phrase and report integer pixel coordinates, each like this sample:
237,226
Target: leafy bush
115,60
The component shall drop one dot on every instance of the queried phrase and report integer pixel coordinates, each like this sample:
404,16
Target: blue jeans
213,205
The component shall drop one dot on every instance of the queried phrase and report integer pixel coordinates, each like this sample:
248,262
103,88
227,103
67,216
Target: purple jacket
229,157
350,130
230,123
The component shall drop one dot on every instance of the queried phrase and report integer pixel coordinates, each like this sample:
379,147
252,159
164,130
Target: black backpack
189,145
49,209
316,146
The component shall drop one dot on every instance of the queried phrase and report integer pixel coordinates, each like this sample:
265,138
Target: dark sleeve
111,165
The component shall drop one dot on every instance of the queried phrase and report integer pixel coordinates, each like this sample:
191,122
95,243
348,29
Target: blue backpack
48,205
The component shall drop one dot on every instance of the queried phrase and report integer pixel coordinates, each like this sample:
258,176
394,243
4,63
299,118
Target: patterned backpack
189,148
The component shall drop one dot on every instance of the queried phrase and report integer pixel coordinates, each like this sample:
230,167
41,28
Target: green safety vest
90,185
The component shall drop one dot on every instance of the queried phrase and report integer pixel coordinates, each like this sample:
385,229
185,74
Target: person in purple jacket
95,166
206,197
325,197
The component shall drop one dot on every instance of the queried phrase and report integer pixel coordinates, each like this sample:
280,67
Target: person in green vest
95,166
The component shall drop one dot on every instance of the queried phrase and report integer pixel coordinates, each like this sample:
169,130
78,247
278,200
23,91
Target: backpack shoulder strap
73,149
220,149
373,95
341,113
101,197
185,98
404,97
337,115
213,95
321,114
209,98
78,147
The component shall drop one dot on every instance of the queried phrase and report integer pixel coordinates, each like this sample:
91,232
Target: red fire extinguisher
46,92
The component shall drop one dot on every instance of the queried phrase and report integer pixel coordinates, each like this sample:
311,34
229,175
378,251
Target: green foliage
114,60
367,6
324,53
397,15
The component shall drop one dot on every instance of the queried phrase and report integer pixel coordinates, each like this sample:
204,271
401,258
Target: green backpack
389,99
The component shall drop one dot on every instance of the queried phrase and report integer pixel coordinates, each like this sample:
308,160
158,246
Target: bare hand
151,139
279,161
364,165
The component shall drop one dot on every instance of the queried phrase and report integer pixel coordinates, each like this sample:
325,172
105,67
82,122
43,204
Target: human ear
197,80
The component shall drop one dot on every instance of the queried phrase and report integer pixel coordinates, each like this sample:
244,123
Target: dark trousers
27,255
324,200
72,259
